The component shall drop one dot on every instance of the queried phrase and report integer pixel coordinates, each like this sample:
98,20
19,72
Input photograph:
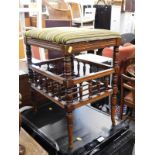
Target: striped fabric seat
67,35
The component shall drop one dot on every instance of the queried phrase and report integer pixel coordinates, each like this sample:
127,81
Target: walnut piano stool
65,82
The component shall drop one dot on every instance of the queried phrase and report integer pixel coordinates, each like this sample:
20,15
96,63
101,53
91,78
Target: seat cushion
125,51
65,35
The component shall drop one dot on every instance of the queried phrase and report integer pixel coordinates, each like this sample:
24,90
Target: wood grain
31,146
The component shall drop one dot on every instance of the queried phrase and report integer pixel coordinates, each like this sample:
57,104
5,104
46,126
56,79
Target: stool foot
69,118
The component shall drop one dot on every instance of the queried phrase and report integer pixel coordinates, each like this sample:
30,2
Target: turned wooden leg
68,66
122,102
28,54
115,85
34,102
68,70
30,73
69,117
29,61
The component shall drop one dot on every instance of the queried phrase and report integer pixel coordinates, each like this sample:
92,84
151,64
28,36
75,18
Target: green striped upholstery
66,35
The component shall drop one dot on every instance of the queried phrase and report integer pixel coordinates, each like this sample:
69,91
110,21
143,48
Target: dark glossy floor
50,123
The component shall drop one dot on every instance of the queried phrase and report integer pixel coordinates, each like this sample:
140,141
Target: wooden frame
73,85
127,92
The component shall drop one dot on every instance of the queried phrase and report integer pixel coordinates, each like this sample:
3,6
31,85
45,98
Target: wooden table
57,80
31,146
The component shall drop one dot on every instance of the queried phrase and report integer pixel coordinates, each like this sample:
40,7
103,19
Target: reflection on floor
104,105
54,121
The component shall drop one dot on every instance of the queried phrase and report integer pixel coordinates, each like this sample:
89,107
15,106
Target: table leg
69,117
115,85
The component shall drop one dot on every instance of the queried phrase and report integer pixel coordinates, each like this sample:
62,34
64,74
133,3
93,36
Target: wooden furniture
127,92
71,87
126,51
31,146
128,65
71,11
128,84
56,23
21,48
48,125
25,88
82,18
131,70
24,85
58,11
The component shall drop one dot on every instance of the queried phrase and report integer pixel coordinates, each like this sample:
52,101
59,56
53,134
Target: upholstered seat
65,35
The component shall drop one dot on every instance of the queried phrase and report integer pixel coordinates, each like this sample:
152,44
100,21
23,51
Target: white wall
122,22
115,18
127,22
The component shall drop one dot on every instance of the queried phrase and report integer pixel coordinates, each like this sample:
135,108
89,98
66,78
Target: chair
82,19
127,88
58,11
126,51
90,15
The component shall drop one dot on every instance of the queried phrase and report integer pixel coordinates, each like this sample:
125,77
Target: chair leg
131,113
121,109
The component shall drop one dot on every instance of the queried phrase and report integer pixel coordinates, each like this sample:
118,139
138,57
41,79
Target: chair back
128,90
60,11
127,86
75,10
81,18
90,12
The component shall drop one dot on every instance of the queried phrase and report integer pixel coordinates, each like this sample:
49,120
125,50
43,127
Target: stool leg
33,98
68,66
115,81
30,73
69,117
121,109
68,70
29,61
